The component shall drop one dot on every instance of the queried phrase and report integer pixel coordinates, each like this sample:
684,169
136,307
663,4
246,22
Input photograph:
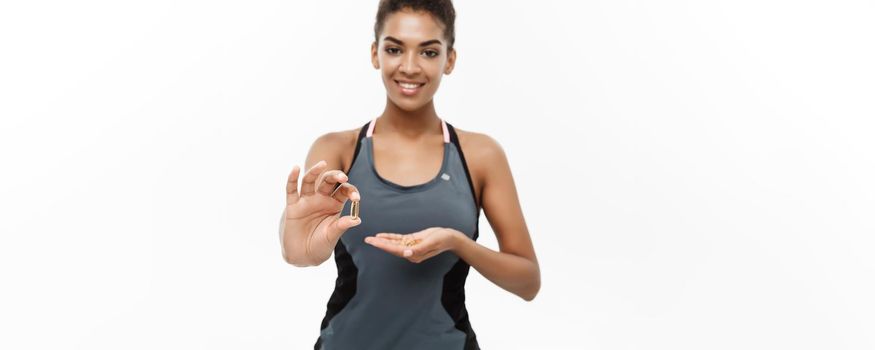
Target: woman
403,262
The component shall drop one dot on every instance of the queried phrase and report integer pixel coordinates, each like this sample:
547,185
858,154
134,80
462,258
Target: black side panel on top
454,138
453,297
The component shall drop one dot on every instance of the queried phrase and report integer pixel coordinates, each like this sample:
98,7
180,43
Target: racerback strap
443,127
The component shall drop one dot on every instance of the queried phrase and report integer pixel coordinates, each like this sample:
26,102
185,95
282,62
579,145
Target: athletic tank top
382,301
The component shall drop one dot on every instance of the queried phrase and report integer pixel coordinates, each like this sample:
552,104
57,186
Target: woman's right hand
312,224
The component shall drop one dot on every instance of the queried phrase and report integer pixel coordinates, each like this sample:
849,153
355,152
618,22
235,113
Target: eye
392,50
432,53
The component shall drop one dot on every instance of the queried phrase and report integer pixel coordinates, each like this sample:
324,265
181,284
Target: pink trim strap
443,127
446,132
371,128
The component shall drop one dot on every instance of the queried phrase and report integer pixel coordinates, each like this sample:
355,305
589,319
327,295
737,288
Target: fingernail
408,252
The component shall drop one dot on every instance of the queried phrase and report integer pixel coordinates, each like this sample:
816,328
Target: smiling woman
415,197
416,49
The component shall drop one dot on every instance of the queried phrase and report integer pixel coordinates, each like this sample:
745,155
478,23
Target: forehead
412,27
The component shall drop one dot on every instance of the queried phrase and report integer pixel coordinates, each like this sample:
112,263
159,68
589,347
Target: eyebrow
424,43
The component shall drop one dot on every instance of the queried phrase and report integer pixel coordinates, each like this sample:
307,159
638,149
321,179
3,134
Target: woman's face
412,56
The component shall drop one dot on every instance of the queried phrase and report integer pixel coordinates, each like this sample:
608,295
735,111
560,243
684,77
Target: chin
408,105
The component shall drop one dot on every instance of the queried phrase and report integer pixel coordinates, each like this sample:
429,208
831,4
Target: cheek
435,78
437,71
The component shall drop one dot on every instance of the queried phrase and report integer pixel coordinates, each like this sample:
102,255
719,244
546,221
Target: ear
451,61
375,61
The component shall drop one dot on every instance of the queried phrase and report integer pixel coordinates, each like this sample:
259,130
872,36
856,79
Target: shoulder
485,159
335,147
480,147
337,139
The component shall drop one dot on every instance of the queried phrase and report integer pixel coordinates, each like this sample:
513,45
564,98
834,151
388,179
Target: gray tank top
381,301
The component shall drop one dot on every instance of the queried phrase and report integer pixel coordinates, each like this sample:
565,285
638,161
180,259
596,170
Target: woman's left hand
417,246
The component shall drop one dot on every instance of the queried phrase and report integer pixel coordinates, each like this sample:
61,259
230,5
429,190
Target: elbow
533,288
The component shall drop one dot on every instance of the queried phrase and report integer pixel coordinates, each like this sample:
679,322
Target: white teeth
409,86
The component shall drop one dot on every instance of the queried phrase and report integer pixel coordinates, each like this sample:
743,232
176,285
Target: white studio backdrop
694,174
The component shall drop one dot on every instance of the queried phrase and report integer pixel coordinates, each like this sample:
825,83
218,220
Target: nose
409,65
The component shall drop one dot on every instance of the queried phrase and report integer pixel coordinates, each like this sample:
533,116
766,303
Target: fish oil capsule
354,209
408,241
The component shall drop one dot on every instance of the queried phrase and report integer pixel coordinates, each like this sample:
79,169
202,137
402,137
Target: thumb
342,224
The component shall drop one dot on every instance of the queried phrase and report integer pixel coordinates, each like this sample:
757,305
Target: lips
409,87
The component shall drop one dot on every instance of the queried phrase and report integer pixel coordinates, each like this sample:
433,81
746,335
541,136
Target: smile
409,88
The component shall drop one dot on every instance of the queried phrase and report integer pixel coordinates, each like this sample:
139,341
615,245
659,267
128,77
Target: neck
410,124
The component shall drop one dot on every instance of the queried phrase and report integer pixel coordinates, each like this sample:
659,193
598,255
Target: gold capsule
408,241
354,209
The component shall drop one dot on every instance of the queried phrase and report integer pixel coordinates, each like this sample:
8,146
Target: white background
694,174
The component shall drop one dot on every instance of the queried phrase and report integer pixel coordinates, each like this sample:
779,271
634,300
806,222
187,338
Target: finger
410,251
341,225
328,181
308,185
385,244
392,236
420,247
346,191
292,186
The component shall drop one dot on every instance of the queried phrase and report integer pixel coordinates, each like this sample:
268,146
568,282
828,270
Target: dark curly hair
442,10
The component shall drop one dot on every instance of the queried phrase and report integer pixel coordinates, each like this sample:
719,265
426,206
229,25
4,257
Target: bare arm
515,267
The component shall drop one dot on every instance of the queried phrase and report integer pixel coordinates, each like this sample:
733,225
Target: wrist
457,239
